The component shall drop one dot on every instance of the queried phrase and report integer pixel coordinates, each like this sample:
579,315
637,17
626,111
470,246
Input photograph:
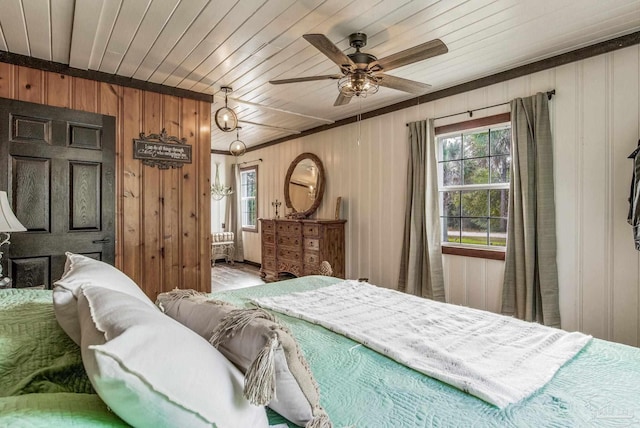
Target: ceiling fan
362,73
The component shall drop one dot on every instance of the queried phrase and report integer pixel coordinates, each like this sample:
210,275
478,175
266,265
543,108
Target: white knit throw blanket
499,359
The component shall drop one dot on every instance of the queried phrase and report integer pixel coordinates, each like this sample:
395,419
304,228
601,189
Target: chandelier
219,191
225,118
358,83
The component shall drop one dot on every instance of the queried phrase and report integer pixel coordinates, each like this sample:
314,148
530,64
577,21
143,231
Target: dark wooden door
57,166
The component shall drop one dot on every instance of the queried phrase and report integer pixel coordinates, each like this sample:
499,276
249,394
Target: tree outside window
249,198
474,167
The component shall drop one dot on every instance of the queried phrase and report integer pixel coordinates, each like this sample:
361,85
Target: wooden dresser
299,246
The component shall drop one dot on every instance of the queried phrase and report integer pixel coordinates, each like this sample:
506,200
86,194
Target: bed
42,380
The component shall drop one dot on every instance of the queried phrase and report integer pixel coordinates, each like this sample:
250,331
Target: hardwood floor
230,277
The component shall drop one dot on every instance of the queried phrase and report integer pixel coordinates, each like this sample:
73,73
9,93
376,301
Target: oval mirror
304,185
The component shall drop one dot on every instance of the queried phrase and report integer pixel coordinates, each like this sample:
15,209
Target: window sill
474,252
250,229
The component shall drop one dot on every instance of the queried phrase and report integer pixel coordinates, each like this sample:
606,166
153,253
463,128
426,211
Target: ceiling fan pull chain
359,117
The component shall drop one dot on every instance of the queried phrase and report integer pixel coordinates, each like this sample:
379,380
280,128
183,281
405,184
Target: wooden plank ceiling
202,45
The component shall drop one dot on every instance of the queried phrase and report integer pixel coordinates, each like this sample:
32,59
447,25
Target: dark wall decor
162,150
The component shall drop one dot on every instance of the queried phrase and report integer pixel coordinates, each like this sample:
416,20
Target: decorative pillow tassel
320,420
177,294
234,322
260,379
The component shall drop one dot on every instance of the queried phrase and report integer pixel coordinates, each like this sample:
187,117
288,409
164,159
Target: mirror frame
319,193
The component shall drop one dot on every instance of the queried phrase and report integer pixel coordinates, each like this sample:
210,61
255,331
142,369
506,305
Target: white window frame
489,186
244,199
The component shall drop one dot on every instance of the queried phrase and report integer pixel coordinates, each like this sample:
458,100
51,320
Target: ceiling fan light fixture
358,84
225,118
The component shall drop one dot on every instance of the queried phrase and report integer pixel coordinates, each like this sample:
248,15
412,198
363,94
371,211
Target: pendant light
226,118
237,147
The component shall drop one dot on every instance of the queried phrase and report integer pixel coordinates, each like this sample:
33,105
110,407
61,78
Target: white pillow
154,372
81,270
281,378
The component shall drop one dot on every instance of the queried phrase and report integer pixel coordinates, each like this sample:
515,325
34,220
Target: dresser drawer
311,244
311,230
312,258
268,251
268,238
268,226
289,240
269,264
285,253
289,228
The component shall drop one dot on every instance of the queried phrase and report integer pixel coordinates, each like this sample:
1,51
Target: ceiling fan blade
417,53
342,99
326,46
306,79
406,85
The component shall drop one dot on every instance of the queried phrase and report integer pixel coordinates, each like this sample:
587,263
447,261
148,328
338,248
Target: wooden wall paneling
356,206
625,110
397,196
495,275
476,283
171,210
375,196
58,90
111,100
6,80
593,209
131,188
456,267
135,110
29,85
204,199
85,94
381,171
189,198
151,207
566,176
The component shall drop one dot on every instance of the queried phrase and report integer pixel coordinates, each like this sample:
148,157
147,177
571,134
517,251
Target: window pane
450,147
451,173
476,171
450,204
498,232
474,231
475,203
500,168
248,212
452,227
476,145
498,203
501,141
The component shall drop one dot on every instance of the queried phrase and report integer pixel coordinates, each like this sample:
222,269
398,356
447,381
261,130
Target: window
473,171
249,198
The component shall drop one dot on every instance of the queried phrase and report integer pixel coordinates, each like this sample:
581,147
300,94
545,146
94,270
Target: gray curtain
531,275
234,211
421,262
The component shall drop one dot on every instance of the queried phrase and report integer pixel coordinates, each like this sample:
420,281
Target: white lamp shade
8,220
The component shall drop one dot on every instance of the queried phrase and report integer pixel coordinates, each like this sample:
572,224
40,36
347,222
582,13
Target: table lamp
8,223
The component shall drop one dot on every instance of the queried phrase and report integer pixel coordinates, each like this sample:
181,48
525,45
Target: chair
222,245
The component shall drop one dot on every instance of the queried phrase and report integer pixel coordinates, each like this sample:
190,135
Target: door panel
60,180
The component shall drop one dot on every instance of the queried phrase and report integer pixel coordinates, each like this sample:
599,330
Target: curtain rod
550,95
251,161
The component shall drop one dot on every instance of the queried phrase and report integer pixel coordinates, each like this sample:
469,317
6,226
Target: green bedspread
43,384
42,379
600,387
